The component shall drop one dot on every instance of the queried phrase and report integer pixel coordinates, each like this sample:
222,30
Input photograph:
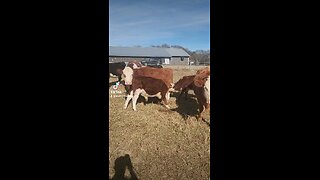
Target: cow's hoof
134,109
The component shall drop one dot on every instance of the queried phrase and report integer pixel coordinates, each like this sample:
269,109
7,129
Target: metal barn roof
146,52
177,52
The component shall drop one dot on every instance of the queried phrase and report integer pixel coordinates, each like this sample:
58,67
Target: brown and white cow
149,82
200,84
116,68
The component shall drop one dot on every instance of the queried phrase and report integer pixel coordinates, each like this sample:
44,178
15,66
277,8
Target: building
170,56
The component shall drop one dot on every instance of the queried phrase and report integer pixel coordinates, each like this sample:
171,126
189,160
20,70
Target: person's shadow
120,165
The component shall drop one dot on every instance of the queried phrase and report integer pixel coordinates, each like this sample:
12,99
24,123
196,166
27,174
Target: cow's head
134,64
128,75
183,83
201,77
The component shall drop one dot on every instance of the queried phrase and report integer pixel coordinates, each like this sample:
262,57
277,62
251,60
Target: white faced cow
149,82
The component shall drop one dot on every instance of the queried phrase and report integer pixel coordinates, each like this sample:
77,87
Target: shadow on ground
120,165
187,106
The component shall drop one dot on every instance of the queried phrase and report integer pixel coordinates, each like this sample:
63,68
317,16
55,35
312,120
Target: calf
149,83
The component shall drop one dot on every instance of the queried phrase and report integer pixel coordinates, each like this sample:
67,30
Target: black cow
116,69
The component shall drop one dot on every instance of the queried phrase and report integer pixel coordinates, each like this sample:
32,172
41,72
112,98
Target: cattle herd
158,82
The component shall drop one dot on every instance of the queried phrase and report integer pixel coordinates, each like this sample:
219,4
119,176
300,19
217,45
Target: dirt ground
156,143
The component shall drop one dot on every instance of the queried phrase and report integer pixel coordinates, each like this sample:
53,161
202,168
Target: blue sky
155,22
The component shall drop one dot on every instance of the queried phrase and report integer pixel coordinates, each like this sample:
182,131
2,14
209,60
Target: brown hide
151,86
184,82
164,74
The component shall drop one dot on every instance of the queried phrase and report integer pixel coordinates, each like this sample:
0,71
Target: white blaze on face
128,75
207,89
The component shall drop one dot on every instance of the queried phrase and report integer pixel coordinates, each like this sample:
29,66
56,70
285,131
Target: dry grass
161,144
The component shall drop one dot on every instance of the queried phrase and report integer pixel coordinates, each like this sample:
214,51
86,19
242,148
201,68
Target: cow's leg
158,95
145,95
206,107
164,99
202,109
146,98
135,98
129,97
168,96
